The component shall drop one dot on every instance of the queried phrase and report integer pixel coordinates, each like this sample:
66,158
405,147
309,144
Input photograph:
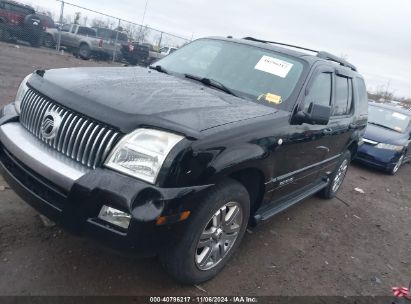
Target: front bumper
41,179
378,158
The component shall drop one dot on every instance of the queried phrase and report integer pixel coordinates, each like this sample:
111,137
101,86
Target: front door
305,147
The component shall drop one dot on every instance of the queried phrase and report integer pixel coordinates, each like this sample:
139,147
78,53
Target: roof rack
328,56
320,54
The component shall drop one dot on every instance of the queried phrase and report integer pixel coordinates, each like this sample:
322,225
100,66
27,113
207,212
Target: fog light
115,217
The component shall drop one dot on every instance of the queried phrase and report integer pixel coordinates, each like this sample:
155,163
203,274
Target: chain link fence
85,32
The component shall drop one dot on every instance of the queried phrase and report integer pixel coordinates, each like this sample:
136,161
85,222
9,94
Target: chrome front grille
78,137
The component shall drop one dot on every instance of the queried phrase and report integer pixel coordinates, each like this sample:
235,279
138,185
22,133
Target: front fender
237,158
8,114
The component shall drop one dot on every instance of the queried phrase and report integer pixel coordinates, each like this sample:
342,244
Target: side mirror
316,115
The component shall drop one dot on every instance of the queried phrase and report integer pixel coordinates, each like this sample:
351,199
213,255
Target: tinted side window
343,96
362,95
85,31
320,91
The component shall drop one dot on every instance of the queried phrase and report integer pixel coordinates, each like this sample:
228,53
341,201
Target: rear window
104,33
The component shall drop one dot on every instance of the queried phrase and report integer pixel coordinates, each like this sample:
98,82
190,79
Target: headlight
390,147
142,153
20,93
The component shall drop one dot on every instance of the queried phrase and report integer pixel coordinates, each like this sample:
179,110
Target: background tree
77,17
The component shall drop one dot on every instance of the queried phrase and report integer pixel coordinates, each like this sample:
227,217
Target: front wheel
337,177
211,236
398,165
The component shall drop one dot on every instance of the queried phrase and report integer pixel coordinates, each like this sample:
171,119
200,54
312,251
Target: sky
374,35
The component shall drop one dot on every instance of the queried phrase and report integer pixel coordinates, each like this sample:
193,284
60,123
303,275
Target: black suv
178,159
19,21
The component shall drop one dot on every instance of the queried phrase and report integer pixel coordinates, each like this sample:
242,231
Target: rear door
341,125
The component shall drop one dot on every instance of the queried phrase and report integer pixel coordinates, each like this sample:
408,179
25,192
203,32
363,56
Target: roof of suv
293,51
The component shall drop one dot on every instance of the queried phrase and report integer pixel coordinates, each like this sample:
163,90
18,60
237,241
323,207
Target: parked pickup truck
113,41
85,42
179,159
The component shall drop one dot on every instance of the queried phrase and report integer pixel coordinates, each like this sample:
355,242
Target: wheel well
353,147
253,181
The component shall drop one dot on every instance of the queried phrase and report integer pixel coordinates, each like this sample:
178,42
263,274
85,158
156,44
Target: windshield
250,72
389,119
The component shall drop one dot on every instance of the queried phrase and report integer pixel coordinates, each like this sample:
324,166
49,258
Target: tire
48,41
398,165
184,260
84,52
337,178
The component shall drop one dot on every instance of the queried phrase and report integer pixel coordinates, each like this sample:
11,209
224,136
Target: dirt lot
358,244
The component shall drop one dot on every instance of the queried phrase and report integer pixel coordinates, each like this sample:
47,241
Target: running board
274,208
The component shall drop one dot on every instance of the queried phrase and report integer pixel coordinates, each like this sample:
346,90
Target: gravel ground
356,244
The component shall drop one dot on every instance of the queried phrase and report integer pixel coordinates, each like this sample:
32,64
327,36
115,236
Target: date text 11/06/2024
237,299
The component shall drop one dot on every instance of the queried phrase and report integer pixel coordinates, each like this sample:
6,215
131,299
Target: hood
382,135
128,98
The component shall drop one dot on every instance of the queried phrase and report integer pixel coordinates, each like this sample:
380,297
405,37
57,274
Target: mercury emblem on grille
50,124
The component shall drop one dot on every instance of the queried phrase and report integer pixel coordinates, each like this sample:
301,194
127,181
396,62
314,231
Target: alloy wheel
219,236
398,164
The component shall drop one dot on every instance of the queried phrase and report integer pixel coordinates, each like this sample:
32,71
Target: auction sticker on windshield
274,66
399,116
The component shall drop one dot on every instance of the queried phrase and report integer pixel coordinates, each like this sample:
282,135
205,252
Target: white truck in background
157,55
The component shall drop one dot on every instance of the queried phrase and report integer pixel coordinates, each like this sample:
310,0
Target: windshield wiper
211,83
158,68
382,126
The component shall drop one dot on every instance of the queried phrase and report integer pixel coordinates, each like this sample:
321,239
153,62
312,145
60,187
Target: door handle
353,126
327,131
